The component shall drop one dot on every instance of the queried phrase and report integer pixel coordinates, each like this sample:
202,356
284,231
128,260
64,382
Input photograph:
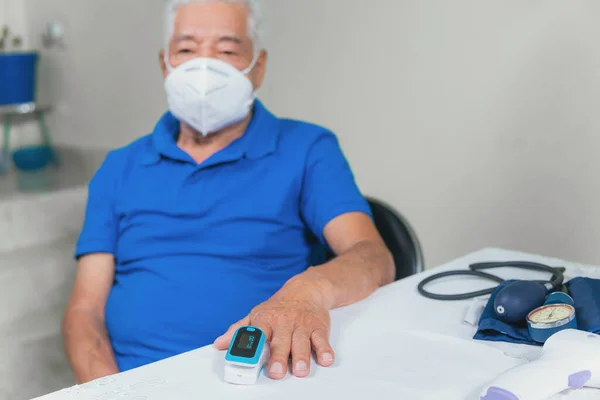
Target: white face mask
209,94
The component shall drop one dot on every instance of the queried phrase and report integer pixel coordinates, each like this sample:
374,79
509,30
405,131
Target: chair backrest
399,237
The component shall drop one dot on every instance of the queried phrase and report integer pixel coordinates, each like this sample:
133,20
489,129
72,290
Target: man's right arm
84,329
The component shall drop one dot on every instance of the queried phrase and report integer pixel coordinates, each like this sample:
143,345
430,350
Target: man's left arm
296,319
363,265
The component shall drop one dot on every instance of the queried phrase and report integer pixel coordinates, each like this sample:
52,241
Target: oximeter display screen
246,343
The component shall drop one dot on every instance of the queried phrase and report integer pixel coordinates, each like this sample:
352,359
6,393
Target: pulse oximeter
247,355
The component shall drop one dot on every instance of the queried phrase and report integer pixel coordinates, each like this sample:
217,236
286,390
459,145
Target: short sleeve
100,226
329,188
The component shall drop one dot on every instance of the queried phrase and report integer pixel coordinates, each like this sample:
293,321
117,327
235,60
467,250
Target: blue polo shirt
198,246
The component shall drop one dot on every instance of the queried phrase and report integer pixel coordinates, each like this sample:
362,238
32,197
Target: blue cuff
586,296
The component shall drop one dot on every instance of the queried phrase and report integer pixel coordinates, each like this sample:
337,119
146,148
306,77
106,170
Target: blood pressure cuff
585,293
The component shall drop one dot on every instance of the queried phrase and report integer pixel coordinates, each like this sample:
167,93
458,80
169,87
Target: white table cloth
394,345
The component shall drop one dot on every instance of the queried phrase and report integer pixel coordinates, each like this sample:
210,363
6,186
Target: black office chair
400,238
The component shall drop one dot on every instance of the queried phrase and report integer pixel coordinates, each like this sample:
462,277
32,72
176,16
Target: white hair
254,18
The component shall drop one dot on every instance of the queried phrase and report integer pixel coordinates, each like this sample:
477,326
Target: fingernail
301,366
276,368
327,357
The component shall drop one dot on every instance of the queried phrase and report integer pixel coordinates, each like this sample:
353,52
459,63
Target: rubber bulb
514,301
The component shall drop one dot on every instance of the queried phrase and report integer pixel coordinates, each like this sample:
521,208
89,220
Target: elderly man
214,221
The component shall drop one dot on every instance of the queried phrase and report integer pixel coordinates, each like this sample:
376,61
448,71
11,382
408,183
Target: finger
222,343
280,351
324,351
301,352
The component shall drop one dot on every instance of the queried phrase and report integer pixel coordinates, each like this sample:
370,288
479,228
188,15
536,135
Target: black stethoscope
514,301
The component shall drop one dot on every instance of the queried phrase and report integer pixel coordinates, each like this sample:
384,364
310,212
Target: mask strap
252,64
245,71
167,63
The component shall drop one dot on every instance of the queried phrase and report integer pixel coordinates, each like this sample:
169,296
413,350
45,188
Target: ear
260,69
163,65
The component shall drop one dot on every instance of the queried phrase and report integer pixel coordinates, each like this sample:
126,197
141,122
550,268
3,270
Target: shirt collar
259,140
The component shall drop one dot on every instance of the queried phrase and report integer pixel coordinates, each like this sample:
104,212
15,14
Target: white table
394,345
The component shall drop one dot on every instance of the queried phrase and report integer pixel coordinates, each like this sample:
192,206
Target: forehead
215,18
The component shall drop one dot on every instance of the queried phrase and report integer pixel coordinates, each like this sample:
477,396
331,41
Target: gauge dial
551,314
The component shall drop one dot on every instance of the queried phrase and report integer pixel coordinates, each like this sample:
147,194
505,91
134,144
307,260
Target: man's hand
296,322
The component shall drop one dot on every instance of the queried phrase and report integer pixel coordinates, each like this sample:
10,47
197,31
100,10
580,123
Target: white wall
475,119
12,12
105,80
478,120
